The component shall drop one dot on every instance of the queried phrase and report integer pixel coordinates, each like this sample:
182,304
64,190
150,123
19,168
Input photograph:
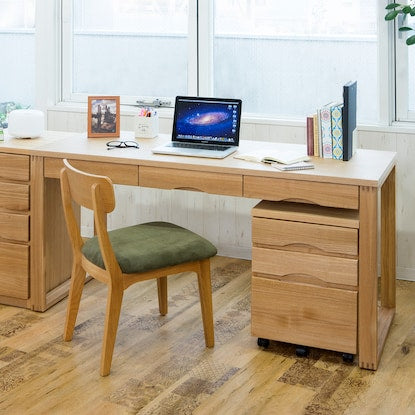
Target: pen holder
146,127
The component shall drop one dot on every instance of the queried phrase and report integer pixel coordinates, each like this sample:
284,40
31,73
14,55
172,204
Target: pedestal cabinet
14,228
305,275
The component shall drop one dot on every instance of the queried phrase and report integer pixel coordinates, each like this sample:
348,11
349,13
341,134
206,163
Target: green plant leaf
392,6
405,29
411,40
406,9
391,15
412,12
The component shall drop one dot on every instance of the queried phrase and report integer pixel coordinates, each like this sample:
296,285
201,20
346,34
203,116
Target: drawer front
14,270
14,227
327,239
316,268
217,183
303,314
14,196
14,167
118,173
324,194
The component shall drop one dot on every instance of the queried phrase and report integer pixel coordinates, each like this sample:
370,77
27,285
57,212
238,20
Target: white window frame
47,55
200,58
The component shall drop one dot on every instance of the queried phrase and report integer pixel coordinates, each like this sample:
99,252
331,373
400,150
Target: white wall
226,220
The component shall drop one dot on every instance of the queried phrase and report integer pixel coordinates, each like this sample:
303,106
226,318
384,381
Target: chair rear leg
75,293
112,316
205,293
162,295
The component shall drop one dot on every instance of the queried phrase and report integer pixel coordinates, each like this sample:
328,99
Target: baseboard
407,274
240,252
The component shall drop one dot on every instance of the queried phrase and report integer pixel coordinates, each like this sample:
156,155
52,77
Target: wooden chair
128,255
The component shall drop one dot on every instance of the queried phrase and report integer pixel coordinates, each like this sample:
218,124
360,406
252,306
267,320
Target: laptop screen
207,120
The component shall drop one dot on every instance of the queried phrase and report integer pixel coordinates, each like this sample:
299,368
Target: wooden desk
35,260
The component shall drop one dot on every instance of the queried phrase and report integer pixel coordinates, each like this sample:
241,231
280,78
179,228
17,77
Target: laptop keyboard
200,146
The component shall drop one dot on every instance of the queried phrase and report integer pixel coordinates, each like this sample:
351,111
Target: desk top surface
366,167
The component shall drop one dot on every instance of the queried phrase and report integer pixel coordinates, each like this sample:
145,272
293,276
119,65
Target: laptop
204,127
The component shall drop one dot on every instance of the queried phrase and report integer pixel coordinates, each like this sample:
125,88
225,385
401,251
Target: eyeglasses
121,144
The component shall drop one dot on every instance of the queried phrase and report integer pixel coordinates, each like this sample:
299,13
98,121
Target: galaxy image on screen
206,121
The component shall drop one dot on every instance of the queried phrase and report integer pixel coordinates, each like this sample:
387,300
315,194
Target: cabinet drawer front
14,227
14,270
14,196
118,173
324,194
15,167
217,183
318,268
304,314
327,239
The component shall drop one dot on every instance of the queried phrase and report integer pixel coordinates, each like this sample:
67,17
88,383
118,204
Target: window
405,76
132,48
282,60
286,60
17,70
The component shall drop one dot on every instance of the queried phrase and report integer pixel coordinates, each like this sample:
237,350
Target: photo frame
103,116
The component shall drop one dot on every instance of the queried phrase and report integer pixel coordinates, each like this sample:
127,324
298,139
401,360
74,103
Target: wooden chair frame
97,193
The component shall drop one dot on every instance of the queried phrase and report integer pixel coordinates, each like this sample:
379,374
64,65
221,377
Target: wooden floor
161,366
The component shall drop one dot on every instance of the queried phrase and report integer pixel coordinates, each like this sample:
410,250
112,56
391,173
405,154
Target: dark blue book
349,118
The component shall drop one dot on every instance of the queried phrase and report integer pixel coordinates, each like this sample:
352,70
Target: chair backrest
93,192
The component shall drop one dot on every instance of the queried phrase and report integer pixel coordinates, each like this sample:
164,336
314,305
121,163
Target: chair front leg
75,293
162,295
114,301
205,293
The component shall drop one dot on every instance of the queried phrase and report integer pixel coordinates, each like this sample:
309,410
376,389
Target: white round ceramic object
26,123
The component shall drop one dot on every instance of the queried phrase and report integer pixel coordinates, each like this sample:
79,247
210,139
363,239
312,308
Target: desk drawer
15,167
304,236
317,269
119,173
14,196
304,314
14,227
324,194
217,183
14,270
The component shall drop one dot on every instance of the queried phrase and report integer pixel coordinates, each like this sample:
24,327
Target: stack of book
330,129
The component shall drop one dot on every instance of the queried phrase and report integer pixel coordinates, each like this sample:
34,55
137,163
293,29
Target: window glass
17,71
287,59
130,47
406,54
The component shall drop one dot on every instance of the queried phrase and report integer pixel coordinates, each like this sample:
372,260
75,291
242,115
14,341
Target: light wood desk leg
368,282
37,235
388,245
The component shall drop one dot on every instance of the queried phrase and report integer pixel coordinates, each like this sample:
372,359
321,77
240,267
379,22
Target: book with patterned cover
325,117
315,136
337,131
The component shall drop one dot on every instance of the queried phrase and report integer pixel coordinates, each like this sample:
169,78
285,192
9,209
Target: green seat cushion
150,246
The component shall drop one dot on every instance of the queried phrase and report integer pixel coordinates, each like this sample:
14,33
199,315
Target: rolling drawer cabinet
14,228
305,275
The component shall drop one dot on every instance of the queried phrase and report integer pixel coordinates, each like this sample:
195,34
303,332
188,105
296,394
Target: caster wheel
302,351
263,342
348,358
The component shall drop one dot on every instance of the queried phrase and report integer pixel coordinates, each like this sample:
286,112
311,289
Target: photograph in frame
103,116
